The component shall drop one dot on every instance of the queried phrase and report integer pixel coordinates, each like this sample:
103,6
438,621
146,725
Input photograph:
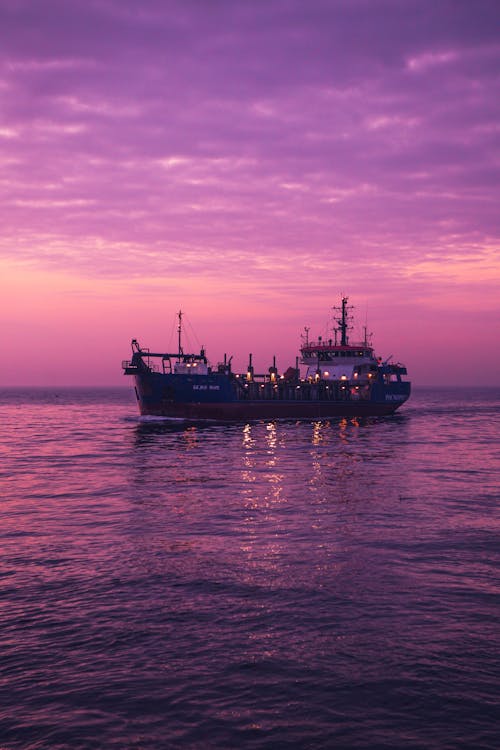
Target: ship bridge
332,362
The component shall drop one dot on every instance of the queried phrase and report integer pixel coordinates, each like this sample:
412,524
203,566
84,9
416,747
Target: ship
332,377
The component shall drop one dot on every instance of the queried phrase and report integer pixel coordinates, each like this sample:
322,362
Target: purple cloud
227,138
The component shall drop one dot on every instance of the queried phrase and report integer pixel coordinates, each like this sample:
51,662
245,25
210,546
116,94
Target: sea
276,584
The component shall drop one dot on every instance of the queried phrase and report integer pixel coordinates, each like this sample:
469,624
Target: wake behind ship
342,379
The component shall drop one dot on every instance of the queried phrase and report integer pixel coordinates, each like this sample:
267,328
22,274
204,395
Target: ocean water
270,585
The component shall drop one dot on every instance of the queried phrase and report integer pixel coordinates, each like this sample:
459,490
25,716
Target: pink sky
248,162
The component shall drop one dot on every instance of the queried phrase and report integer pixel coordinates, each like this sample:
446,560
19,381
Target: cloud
431,59
237,139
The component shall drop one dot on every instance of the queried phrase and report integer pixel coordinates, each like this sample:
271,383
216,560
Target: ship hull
221,405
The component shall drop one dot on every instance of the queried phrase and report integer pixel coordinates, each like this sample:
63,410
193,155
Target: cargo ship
338,379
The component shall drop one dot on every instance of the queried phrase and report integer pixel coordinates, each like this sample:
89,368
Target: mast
343,321
179,334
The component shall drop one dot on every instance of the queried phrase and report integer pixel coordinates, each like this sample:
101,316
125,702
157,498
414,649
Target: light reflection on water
273,584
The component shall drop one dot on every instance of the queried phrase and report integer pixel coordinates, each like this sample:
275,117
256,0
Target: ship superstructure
339,360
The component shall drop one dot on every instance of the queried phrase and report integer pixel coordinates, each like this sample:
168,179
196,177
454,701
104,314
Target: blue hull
222,397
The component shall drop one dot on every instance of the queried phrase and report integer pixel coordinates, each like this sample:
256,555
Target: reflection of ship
342,379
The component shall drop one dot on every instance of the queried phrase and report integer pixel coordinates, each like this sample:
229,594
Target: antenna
367,336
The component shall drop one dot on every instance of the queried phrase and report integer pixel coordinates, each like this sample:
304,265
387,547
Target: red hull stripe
236,411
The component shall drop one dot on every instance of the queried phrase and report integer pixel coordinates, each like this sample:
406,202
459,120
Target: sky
248,162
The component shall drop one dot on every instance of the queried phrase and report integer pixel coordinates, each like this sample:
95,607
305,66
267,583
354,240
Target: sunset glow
248,162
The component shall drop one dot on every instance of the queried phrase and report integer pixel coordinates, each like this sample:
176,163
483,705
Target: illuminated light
343,377
326,374
355,374
297,387
262,385
369,374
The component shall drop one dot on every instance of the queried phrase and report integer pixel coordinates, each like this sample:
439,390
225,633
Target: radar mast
343,321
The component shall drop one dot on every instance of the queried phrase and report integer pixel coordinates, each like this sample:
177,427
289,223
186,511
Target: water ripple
267,585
